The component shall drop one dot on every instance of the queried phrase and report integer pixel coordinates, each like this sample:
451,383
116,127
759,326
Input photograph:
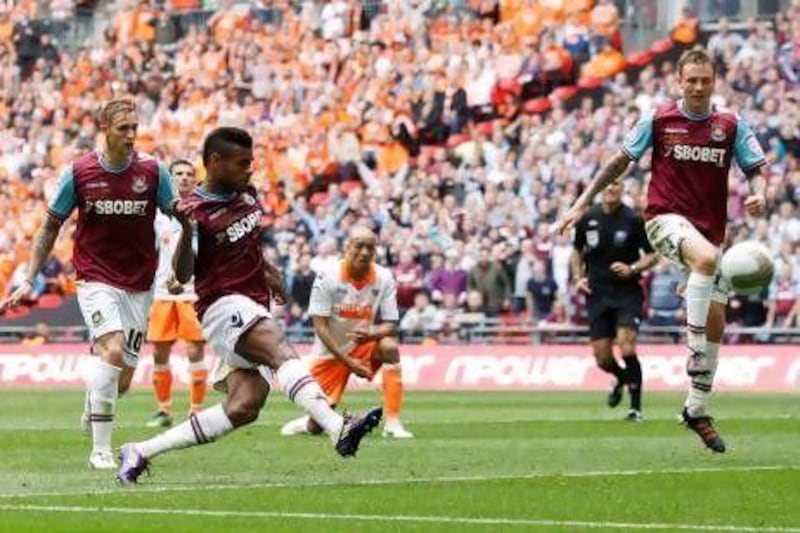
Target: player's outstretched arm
612,170
42,246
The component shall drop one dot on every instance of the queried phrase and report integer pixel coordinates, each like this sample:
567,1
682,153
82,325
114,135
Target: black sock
634,380
610,365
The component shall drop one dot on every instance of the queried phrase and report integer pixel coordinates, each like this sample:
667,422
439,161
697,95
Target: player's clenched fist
755,204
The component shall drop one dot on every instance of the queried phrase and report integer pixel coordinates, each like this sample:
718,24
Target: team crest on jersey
717,133
593,238
139,185
374,292
97,318
619,237
236,320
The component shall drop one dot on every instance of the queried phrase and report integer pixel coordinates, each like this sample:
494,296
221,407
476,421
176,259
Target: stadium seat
457,139
590,83
641,59
537,105
349,186
18,312
662,47
562,94
49,301
318,198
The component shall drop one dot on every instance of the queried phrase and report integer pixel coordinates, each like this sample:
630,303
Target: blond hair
121,104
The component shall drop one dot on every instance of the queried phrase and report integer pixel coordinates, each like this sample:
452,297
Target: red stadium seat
564,93
318,198
18,312
537,105
590,83
349,186
662,47
641,59
457,139
49,301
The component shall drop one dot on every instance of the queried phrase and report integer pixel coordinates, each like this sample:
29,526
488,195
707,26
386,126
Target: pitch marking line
401,481
392,518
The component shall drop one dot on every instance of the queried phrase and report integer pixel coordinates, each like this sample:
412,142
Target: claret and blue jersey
114,240
691,158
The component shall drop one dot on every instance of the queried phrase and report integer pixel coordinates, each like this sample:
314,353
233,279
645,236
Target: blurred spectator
446,278
302,281
409,277
783,302
489,279
422,319
40,335
542,292
664,301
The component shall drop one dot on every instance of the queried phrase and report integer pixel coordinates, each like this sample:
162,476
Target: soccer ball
748,266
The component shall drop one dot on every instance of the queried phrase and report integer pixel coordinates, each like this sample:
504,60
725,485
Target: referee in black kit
610,251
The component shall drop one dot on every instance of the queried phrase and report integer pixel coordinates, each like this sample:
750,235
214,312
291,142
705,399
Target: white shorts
666,233
107,309
224,322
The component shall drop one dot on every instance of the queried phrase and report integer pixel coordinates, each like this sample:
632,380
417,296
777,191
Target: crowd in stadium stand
432,121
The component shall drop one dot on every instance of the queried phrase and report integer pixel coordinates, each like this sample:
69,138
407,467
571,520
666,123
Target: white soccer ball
748,266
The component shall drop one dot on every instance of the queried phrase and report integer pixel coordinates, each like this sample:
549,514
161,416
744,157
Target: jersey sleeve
640,138
746,149
65,199
388,305
166,195
321,302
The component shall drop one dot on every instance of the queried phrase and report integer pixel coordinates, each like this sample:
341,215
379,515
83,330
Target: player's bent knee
243,413
389,350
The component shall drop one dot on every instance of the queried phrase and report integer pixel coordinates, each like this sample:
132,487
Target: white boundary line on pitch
132,425
382,482
500,521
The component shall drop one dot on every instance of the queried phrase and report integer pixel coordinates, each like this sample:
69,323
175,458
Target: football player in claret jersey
116,191
234,287
172,314
347,297
693,144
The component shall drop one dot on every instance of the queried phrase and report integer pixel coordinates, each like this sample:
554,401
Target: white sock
101,383
698,300
302,389
204,427
700,388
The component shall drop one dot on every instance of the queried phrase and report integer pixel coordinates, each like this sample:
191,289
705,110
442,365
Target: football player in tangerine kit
116,191
234,287
693,146
345,301
172,315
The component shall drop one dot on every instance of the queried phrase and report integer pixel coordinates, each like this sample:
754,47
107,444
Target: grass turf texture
481,461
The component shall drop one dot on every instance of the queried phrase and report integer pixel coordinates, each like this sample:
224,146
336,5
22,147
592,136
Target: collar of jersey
359,284
108,168
692,116
205,193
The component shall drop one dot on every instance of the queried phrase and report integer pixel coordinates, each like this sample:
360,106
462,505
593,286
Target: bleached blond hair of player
110,108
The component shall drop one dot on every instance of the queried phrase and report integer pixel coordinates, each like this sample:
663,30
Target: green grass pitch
480,462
